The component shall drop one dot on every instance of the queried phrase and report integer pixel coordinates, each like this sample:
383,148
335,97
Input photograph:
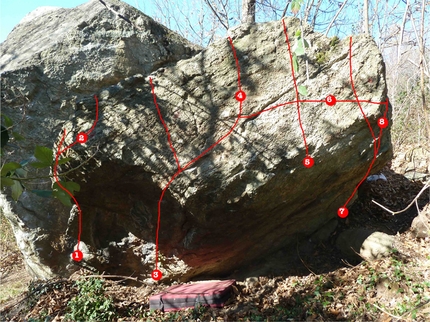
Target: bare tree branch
334,18
366,16
216,14
402,30
309,5
427,185
316,13
286,8
248,11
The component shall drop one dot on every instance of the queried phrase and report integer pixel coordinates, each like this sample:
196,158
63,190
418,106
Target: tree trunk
248,11
366,16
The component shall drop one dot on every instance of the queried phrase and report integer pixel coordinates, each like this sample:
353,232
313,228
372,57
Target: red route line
295,87
59,152
304,101
353,88
376,146
239,84
165,126
297,101
196,158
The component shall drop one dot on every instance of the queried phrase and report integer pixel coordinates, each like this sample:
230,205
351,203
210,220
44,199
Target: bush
91,304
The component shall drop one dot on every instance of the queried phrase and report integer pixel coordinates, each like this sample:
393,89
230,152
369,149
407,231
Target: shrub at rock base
91,304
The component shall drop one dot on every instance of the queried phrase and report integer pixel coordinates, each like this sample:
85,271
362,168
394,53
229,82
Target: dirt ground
317,285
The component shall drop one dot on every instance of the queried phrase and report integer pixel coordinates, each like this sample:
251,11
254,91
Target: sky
12,11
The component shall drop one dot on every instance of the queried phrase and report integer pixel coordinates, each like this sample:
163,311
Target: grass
12,281
12,290
7,239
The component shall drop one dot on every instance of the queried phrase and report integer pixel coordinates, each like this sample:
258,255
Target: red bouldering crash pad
207,293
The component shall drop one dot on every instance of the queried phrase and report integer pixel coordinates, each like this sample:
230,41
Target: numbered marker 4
240,96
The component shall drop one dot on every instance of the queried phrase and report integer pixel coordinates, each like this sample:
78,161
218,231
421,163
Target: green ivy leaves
14,174
62,195
44,156
303,90
17,189
9,167
299,50
299,47
8,174
91,303
295,6
7,120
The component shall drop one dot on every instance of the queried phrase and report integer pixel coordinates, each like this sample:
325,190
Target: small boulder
420,226
356,244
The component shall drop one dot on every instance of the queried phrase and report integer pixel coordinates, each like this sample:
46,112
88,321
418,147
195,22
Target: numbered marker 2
82,137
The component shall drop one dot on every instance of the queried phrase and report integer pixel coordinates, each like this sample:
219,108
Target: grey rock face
247,196
323,233
91,45
363,243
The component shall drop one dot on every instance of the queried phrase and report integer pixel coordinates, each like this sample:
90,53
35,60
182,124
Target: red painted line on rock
250,116
357,100
375,145
57,180
353,89
239,84
180,170
295,87
375,154
164,125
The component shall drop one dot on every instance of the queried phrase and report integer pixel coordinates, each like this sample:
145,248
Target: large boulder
235,187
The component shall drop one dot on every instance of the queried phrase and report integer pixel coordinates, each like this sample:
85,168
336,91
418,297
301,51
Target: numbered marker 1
240,96
77,255
308,162
342,212
82,137
330,100
382,122
156,275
